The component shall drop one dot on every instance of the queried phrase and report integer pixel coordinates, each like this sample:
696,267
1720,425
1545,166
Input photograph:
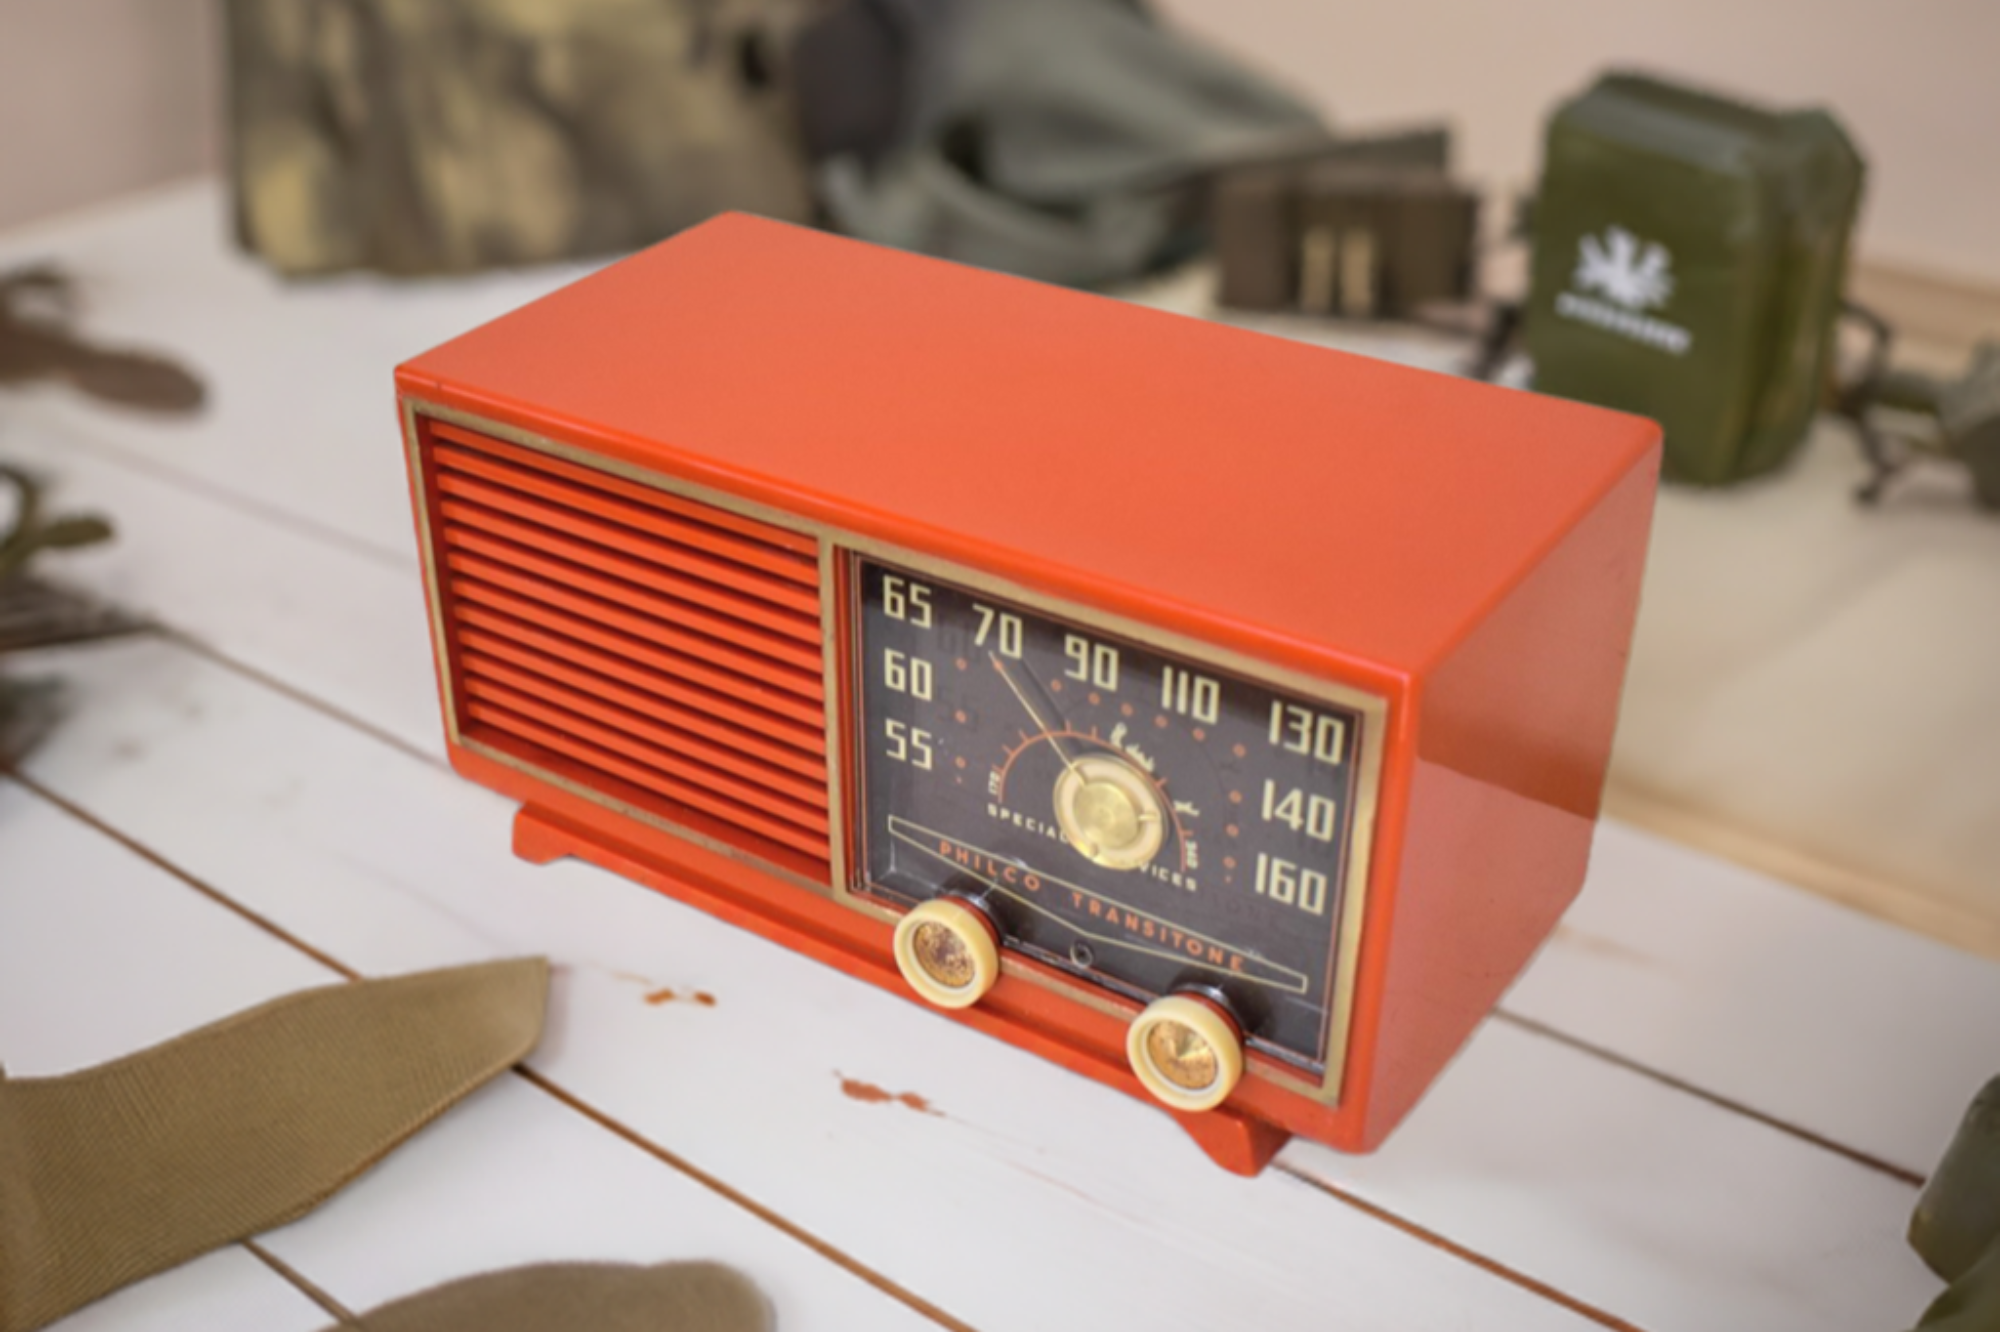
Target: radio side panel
1513,738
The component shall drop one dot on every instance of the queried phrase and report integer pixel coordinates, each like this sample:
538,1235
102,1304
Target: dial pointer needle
1034,716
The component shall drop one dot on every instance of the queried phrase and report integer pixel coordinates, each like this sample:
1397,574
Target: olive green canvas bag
1688,264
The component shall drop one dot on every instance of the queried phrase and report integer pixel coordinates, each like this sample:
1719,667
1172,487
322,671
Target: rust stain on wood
870,1094
1609,949
667,995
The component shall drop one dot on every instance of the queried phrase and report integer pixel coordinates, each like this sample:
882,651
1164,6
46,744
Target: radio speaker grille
658,652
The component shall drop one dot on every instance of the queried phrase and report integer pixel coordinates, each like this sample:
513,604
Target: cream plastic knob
948,951
1187,1053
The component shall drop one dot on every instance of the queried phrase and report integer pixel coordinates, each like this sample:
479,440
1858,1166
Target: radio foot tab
535,841
1239,1144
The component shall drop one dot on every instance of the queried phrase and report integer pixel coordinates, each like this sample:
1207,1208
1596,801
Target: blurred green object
31,532
1972,1304
37,342
1956,1226
1372,228
1960,417
1689,258
1069,141
28,712
430,136
38,614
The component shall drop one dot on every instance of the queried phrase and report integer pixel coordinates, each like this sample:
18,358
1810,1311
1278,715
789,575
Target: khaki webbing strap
1972,1302
581,1297
1957,1219
123,1170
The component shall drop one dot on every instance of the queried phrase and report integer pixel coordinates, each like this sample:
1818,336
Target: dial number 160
1294,885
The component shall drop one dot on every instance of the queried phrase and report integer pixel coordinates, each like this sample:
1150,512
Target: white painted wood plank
94,963
302,413
513,1177
1803,1009
227,1289
392,863
344,625
103,952
1817,675
1679,1214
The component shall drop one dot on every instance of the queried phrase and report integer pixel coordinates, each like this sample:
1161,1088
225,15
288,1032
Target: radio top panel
1141,461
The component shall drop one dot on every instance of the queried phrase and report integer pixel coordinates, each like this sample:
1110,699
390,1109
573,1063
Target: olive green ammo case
1367,228
1689,256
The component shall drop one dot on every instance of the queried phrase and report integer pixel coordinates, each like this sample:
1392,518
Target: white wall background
102,97
99,97
1916,82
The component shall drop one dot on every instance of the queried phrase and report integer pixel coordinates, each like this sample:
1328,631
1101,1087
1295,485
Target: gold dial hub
1110,812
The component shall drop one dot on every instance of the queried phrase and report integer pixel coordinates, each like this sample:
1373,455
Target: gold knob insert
1110,812
948,951
1186,1053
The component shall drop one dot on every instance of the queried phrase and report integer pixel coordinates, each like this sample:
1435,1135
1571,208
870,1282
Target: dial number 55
908,744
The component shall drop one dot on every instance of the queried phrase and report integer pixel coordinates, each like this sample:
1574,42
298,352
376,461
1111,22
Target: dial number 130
1298,730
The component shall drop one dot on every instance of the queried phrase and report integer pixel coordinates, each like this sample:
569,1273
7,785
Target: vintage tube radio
1222,718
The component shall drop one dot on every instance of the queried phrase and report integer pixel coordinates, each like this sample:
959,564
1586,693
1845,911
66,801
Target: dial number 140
1310,813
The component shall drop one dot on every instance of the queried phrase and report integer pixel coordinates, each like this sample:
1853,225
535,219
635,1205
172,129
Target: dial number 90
1092,663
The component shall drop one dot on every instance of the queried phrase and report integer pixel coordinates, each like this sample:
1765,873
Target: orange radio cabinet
1222,718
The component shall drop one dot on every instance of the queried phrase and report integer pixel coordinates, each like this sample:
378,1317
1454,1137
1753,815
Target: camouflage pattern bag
1689,258
425,136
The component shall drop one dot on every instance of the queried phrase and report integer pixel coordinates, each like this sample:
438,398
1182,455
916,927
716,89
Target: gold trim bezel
836,547
1374,712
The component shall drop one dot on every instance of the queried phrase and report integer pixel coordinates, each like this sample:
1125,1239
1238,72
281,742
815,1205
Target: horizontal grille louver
659,652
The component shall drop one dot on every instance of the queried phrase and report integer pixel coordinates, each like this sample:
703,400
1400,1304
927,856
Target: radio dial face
1136,818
